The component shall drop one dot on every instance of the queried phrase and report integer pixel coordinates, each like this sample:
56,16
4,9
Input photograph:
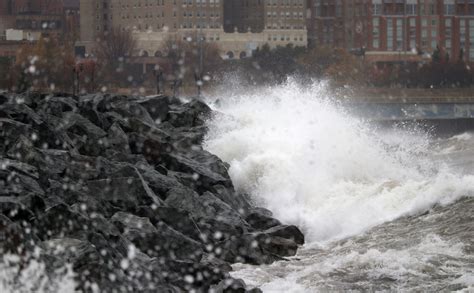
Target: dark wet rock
17,166
207,169
179,220
288,232
59,221
3,99
206,206
157,241
15,238
22,207
190,114
277,245
263,247
21,113
11,131
124,192
17,184
78,124
57,105
158,106
231,285
121,188
236,200
261,221
117,139
245,249
186,138
69,249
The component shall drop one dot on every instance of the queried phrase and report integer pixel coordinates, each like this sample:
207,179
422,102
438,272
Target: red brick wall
4,4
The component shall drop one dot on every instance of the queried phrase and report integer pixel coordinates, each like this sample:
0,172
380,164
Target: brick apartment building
153,16
50,17
244,16
397,27
27,20
237,26
256,16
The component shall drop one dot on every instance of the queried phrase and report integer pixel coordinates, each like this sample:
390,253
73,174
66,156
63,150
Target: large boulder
191,114
157,240
208,170
261,221
288,232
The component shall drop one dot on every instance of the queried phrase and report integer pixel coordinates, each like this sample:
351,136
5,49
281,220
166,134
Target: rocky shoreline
120,188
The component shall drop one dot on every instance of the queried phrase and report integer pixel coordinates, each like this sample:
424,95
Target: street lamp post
198,77
159,76
76,76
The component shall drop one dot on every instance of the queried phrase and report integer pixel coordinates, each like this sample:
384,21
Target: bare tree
113,50
191,58
175,50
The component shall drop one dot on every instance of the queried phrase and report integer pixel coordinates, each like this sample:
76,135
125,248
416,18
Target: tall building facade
259,15
244,16
418,26
151,16
237,26
338,23
33,18
30,7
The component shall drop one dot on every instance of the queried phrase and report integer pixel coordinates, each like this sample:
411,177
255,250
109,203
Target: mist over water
298,153
315,166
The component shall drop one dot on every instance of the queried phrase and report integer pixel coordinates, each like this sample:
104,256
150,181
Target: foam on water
313,165
343,266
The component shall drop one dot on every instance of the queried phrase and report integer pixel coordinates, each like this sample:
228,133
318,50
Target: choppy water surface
381,209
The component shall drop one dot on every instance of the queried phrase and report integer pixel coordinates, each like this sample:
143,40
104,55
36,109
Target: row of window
429,37
284,2
287,27
281,38
415,9
158,15
184,25
329,9
162,3
200,14
200,25
283,14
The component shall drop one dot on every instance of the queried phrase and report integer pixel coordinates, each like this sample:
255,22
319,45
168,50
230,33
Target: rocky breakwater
120,188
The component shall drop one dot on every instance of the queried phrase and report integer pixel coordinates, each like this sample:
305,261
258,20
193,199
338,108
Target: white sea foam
315,166
16,275
332,269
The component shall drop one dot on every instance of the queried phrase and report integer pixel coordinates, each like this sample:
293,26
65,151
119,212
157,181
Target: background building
238,27
29,20
243,16
403,27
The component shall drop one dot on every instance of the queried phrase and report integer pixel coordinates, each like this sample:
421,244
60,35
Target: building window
390,34
449,9
399,34
375,43
448,44
411,9
377,9
471,38
375,32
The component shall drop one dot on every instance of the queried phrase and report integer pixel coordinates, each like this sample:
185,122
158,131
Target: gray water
429,251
